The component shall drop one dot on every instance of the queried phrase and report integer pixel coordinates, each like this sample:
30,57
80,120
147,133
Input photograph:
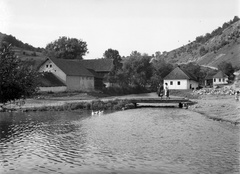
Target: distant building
208,80
75,75
181,79
218,78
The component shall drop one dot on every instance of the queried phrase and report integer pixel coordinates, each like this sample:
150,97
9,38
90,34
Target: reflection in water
147,140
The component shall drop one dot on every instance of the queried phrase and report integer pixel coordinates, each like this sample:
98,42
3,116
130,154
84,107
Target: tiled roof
50,80
178,73
220,74
99,65
72,68
210,75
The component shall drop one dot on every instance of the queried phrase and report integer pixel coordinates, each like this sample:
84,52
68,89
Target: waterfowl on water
97,112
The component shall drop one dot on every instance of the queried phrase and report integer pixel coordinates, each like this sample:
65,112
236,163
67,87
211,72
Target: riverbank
220,107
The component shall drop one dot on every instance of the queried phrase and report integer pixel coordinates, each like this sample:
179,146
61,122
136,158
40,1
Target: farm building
181,79
74,74
220,79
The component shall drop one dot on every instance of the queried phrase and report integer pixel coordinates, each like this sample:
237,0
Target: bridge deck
183,102
158,100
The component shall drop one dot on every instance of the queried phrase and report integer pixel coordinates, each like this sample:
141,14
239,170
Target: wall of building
78,83
174,84
220,81
53,89
192,84
49,66
181,84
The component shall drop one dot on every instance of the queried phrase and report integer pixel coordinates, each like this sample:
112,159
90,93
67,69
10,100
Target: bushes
109,105
116,90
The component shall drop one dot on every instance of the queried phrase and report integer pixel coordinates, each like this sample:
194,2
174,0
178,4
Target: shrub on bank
117,90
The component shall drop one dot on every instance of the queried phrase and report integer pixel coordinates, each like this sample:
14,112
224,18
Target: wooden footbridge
182,102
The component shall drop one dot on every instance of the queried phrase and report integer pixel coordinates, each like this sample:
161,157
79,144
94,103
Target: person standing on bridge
166,90
160,90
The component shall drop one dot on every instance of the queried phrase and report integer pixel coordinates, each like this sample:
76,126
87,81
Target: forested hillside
222,44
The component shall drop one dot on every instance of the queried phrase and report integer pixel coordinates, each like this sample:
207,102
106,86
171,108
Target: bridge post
135,105
180,105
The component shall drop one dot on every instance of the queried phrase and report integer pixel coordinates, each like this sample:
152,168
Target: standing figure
160,91
237,96
166,91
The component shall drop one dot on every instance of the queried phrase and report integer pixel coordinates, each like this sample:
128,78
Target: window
219,80
214,80
171,83
223,80
46,66
178,83
50,65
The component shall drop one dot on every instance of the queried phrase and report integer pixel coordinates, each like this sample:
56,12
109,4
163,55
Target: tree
160,69
17,80
235,19
137,69
67,48
117,64
227,68
203,51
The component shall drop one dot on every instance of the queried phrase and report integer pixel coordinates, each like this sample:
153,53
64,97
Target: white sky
146,26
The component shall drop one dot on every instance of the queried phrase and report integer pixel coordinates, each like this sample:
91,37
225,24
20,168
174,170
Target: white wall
49,66
184,84
193,84
220,81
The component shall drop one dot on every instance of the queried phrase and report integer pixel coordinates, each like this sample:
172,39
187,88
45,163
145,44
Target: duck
94,112
100,112
97,112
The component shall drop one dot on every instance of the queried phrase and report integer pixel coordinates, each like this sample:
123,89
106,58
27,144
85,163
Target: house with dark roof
101,66
74,74
181,79
208,80
220,79
214,79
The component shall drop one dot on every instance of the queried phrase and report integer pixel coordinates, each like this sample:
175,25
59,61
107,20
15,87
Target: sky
145,26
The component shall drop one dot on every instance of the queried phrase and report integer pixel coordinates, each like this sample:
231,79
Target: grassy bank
95,105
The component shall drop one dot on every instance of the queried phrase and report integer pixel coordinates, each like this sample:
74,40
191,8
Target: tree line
132,74
218,31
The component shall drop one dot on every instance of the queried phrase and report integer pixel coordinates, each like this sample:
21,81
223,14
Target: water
143,140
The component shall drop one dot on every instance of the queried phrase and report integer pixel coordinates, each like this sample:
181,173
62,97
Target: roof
220,74
71,67
179,73
50,80
209,76
99,65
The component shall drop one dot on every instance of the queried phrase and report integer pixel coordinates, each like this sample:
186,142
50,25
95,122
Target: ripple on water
139,140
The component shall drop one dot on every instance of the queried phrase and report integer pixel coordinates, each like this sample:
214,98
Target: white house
220,79
181,79
73,75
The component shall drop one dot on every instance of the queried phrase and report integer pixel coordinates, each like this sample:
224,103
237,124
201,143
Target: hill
209,50
222,44
24,51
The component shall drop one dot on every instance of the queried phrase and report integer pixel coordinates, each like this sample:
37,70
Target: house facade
181,79
220,79
73,74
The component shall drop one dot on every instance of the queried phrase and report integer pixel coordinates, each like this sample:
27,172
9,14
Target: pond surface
143,140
